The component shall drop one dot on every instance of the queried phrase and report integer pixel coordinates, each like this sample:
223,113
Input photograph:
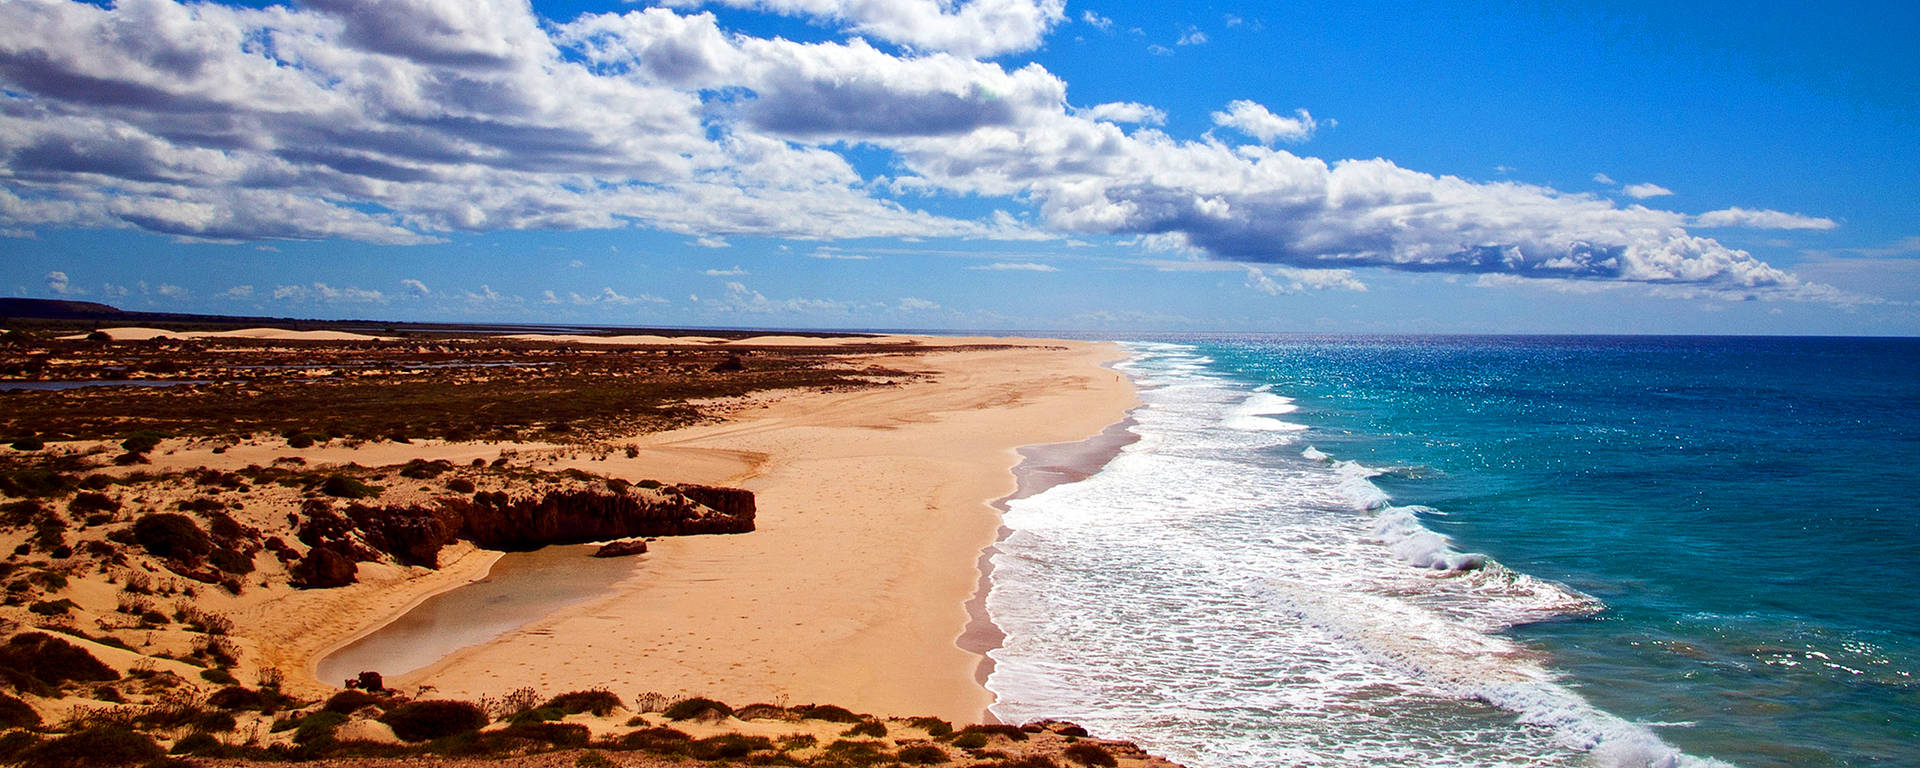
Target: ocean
1485,551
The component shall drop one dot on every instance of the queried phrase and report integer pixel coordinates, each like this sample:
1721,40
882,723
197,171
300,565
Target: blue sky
973,164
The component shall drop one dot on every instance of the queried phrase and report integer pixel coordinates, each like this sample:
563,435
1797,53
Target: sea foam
1227,604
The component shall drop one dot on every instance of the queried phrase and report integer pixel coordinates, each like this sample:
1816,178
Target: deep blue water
1742,510
1745,508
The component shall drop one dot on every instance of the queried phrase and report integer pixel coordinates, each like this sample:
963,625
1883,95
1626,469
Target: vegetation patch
434,719
599,701
688,709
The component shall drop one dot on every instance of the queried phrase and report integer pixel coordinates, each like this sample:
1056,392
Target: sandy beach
873,510
874,507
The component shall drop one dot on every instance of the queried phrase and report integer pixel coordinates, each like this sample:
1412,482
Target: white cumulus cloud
1644,191
1761,219
1253,119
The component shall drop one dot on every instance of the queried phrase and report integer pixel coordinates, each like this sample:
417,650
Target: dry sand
874,506
873,509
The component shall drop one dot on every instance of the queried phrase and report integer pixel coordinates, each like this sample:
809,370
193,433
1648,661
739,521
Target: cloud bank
404,121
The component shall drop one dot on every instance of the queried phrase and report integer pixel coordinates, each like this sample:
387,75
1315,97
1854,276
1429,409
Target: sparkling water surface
1486,551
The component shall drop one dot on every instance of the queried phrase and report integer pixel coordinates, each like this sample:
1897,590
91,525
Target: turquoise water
1487,551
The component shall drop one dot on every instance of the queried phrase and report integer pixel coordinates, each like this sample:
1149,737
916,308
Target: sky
1579,166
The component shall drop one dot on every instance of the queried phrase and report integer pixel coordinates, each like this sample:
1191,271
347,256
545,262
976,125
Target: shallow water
521,588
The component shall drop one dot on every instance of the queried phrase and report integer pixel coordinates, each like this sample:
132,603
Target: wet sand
522,587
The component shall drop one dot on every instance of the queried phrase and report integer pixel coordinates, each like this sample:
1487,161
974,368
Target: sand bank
874,506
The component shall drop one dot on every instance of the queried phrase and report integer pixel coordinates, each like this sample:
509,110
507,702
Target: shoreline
1042,466
854,589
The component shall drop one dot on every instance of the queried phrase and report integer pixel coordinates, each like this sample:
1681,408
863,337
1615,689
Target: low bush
973,740
350,700
35,662
236,697
317,726
460,485
200,745
345,487
688,709
661,740
52,607
215,722
103,745
15,713
142,442
218,676
433,719
730,746
827,712
13,744
934,726
1088,754
538,715
29,444
873,728
599,701
921,754
172,535
857,752
562,735
996,729
592,759
1030,761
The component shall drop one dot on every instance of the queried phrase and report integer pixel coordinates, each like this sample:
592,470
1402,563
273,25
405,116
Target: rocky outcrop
621,548
323,568
496,521
414,535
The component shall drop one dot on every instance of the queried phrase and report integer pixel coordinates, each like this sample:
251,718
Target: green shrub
348,488
873,728
599,701
973,740
934,726
687,709
15,713
317,726
730,746
1089,754
167,534
857,752
433,719
827,712
34,483
142,442
662,740
104,745
592,759
538,715
299,440
558,734
922,754
997,729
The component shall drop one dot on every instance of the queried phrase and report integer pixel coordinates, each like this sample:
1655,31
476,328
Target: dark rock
621,548
323,568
